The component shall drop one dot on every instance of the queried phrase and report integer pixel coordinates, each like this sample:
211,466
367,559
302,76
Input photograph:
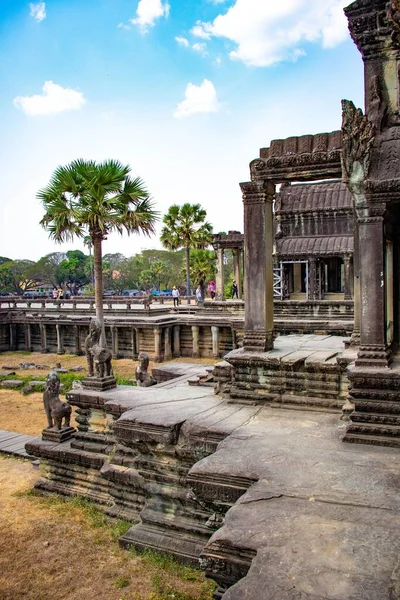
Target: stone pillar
195,335
135,352
157,344
219,280
114,341
373,349
167,343
215,341
13,337
237,271
28,338
355,338
78,349
259,278
60,344
43,338
137,330
347,276
312,279
177,341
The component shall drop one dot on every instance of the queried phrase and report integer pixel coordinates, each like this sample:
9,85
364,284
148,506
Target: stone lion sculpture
98,357
56,410
143,379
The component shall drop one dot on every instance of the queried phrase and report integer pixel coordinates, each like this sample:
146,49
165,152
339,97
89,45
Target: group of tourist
199,292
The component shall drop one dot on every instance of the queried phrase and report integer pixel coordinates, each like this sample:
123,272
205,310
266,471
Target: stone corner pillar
374,350
258,266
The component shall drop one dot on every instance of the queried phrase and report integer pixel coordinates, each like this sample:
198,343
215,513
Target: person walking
175,295
211,289
199,295
235,291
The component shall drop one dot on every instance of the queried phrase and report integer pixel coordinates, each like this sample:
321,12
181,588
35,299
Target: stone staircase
376,397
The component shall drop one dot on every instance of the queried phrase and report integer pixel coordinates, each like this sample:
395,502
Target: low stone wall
308,377
133,453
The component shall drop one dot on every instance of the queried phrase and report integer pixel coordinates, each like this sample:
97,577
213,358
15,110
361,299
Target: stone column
137,330
177,341
215,341
157,344
347,276
135,353
114,341
13,337
219,280
258,269
312,279
78,349
28,338
60,345
373,349
195,334
236,258
355,338
43,338
167,343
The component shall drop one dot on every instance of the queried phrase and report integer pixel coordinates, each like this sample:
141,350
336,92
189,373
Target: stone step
383,419
373,440
375,429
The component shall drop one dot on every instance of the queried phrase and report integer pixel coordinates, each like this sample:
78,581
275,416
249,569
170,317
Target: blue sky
185,91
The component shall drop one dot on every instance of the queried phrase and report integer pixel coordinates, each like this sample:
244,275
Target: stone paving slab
323,518
14,443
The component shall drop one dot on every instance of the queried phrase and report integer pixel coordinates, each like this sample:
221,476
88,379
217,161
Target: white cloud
268,32
54,99
182,41
200,30
38,10
148,11
200,47
198,99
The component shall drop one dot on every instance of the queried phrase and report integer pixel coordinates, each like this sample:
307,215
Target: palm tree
92,198
87,241
202,267
185,227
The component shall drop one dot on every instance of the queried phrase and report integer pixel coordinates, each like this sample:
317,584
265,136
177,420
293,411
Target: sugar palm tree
89,198
202,267
186,227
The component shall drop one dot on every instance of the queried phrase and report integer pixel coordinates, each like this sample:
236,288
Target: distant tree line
73,271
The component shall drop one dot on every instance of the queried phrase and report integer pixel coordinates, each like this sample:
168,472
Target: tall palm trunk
188,274
98,283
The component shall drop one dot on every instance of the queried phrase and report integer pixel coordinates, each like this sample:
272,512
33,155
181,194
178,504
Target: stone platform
272,502
321,522
301,371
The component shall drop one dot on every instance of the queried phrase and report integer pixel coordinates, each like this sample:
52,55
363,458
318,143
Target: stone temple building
314,240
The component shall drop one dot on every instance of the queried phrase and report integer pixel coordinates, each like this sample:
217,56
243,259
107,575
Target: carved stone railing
86,304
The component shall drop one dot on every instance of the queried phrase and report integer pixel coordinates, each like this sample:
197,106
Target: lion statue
98,357
56,410
143,379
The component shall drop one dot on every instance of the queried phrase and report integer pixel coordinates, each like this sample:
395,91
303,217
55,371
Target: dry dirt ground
51,549
25,414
